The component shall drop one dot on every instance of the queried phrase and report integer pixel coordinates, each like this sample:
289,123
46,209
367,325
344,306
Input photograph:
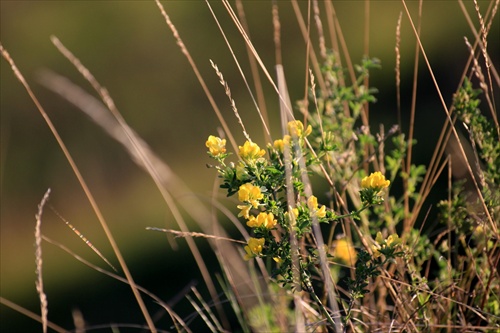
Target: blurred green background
131,51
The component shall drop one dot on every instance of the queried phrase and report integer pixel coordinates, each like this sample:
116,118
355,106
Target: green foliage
342,151
262,188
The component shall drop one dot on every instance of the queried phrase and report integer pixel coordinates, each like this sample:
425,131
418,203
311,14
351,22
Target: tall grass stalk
360,260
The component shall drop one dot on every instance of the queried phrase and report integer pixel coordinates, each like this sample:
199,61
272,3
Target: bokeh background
131,51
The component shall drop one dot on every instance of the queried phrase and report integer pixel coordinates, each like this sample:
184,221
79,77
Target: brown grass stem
277,34
263,121
175,318
133,143
44,305
193,234
82,182
204,86
319,27
83,238
249,43
227,90
397,49
30,314
259,91
447,113
304,28
407,166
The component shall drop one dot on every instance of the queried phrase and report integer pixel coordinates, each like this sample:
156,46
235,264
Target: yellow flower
344,250
295,212
254,247
263,219
312,203
381,243
278,260
393,240
251,151
215,145
250,193
279,144
245,210
375,181
296,129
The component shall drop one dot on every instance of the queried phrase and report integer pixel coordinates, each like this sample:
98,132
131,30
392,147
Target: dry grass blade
263,121
84,239
277,34
406,167
39,261
454,131
398,68
253,67
30,314
207,309
78,321
484,49
185,51
175,318
299,313
132,143
194,234
311,54
141,153
319,26
202,314
231,100
476,68
82,182
254,52
320,245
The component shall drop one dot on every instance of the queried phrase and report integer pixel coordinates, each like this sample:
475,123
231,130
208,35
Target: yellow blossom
279,144
278,260
375,181
344,250
215,145
295,212
254,247
245,211
393,240
263,219
296,129
381,243
250,193
312,203
251,151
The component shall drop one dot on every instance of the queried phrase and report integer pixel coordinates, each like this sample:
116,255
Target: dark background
131,51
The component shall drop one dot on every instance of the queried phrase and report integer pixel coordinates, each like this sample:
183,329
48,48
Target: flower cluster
259,181
371,188
312,203
254,247
264,219
375,181
296,129
385,246
216,146
250,152
250,194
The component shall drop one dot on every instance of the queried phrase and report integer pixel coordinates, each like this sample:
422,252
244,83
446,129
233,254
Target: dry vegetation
360,260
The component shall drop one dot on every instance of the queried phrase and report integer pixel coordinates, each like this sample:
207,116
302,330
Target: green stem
352,213
310,289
